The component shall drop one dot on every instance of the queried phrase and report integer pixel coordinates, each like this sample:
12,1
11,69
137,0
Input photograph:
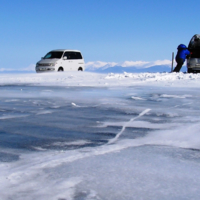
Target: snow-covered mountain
120,69
131,66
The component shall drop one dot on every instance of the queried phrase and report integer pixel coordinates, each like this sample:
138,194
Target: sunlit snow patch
11,116
11,100
137,98
73,104
44,112
74,143
175,96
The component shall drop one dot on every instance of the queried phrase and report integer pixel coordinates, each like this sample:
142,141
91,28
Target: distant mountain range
120,69
103,67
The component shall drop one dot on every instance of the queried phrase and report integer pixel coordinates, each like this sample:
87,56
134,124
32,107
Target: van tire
60,69
190,70
80,69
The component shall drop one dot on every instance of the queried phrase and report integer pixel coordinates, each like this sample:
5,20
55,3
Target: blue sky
104,30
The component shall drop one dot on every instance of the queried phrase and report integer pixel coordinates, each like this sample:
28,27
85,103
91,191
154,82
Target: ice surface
62,140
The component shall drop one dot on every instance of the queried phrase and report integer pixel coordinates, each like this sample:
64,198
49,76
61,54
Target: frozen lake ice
96,143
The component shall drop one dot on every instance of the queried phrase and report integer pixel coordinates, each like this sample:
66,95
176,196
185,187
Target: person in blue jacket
181,55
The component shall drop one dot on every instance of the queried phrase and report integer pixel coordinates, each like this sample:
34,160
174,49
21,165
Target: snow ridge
101,80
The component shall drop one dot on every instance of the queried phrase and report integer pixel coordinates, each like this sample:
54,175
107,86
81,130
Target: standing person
181,56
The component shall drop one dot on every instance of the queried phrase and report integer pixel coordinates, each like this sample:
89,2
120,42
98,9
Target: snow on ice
99,80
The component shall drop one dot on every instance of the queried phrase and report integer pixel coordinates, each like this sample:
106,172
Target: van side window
73,55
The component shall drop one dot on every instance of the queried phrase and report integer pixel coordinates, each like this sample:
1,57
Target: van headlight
52,64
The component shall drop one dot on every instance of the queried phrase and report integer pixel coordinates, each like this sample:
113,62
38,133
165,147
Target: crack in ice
126,124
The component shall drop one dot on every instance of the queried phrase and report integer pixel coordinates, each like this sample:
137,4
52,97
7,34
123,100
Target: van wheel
60,69
80,69
189,71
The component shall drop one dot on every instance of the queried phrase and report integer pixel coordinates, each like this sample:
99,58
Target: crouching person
181,56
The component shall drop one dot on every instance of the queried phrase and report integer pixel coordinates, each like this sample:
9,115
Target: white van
61,60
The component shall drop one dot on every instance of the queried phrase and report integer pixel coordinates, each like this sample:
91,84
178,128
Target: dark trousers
180,62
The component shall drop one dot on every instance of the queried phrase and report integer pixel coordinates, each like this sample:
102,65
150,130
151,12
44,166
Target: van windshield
53,54
194,42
